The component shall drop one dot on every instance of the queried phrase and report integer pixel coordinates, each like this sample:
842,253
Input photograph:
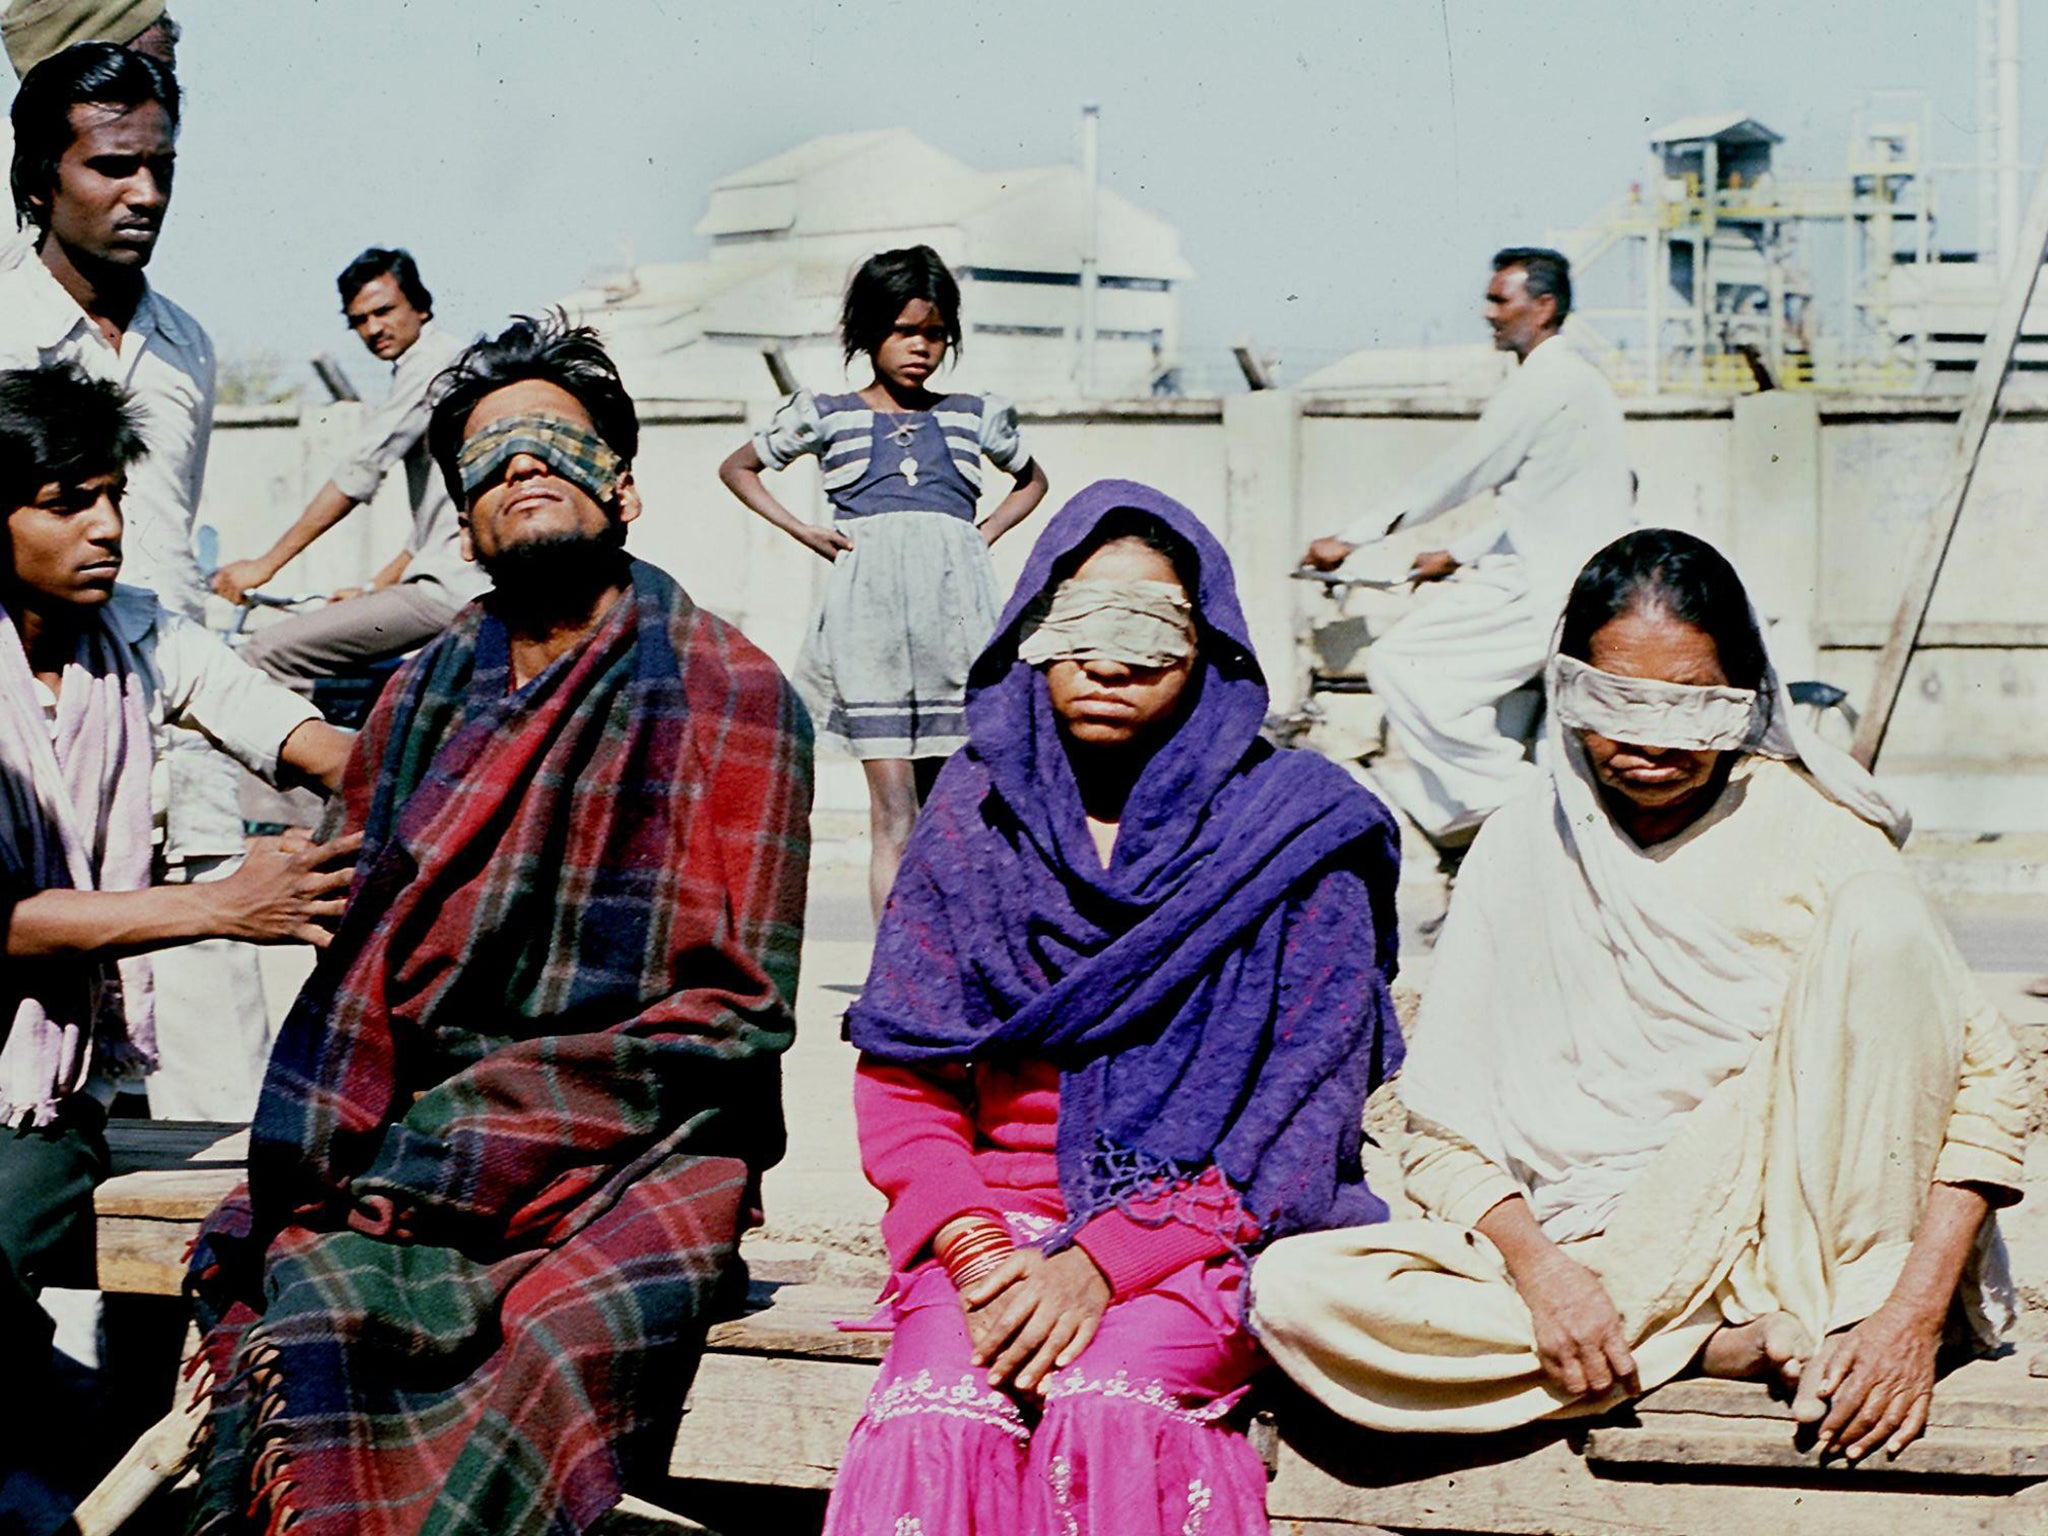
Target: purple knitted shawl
1218,995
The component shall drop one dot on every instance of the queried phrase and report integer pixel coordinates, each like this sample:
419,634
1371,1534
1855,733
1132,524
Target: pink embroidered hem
1127,1441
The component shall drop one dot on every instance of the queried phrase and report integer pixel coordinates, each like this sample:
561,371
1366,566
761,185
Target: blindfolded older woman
1699,1075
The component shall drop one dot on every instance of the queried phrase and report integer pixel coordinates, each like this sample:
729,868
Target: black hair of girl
882,287
1664,570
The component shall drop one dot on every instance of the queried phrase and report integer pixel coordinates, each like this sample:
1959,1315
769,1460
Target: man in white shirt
93,677
1550,443
95,129
412,598
35,29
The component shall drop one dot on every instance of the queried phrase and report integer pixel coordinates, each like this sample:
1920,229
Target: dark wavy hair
1661,570
58,425
102,73
379,262
548,347
883,285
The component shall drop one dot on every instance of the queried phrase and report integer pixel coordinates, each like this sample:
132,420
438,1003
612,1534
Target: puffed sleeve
1002,442
793,431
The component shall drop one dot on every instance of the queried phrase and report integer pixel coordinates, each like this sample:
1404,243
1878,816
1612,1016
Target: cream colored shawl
1579,1005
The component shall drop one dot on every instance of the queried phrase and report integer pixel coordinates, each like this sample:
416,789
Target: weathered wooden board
1981,1394
142,1145
168,1175
802,1320
769,1422
1691,1441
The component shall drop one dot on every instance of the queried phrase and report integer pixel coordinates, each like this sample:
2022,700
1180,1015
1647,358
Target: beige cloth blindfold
1648,713
1139,623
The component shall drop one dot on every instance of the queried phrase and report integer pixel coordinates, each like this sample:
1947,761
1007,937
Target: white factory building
784,235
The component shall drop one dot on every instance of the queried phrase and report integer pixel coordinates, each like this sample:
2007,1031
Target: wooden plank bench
779,1390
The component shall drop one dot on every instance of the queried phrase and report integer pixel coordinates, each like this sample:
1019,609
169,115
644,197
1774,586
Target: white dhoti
213,1028
1439,673
212,1023
1797,1185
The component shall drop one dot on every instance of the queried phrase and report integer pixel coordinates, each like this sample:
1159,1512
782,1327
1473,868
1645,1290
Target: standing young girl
912,597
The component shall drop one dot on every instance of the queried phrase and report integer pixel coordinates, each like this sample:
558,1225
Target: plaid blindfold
580,457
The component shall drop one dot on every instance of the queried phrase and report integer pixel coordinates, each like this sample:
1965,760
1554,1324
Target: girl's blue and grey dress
884,667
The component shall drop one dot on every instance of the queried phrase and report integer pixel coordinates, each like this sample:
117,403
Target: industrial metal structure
1721,295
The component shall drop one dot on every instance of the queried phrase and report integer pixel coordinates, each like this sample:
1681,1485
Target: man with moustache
516,1122
414,596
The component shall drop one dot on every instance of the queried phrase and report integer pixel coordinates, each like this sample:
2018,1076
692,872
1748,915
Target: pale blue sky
1339,169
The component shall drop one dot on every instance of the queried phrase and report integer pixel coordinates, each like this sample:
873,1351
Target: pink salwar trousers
1128,1440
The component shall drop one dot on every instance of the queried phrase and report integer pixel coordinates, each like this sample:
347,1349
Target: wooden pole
2015,293
163,1452
1258,374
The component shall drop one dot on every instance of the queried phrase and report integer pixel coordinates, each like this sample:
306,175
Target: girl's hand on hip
826,543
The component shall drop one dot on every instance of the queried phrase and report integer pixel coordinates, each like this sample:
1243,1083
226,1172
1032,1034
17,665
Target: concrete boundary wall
1819,500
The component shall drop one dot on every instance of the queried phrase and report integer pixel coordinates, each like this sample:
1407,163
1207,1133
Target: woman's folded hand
1034,1315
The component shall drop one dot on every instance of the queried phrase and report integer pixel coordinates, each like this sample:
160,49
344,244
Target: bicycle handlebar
1335,579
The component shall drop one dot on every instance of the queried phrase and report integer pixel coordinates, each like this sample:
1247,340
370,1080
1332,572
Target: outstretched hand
289,889
1034,1315
235,580
1432,565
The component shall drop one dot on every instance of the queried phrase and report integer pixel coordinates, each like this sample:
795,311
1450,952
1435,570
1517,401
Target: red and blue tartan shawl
544,1039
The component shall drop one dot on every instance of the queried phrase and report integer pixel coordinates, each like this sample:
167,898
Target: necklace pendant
908,469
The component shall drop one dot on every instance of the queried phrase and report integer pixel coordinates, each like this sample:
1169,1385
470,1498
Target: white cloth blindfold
1648,713
1138,623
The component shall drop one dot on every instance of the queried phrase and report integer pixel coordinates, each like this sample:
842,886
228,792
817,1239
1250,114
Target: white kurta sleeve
210,689
1479,541
390,432
1484,459
1987,1129
1449,1177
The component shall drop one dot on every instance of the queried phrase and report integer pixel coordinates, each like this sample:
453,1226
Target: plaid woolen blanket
516,1119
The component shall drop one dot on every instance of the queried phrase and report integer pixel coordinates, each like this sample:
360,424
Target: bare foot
1772,1346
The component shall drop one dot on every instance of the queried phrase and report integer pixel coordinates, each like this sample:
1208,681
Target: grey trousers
387,622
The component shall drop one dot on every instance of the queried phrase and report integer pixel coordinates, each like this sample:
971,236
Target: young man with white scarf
92,676
1700,1076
